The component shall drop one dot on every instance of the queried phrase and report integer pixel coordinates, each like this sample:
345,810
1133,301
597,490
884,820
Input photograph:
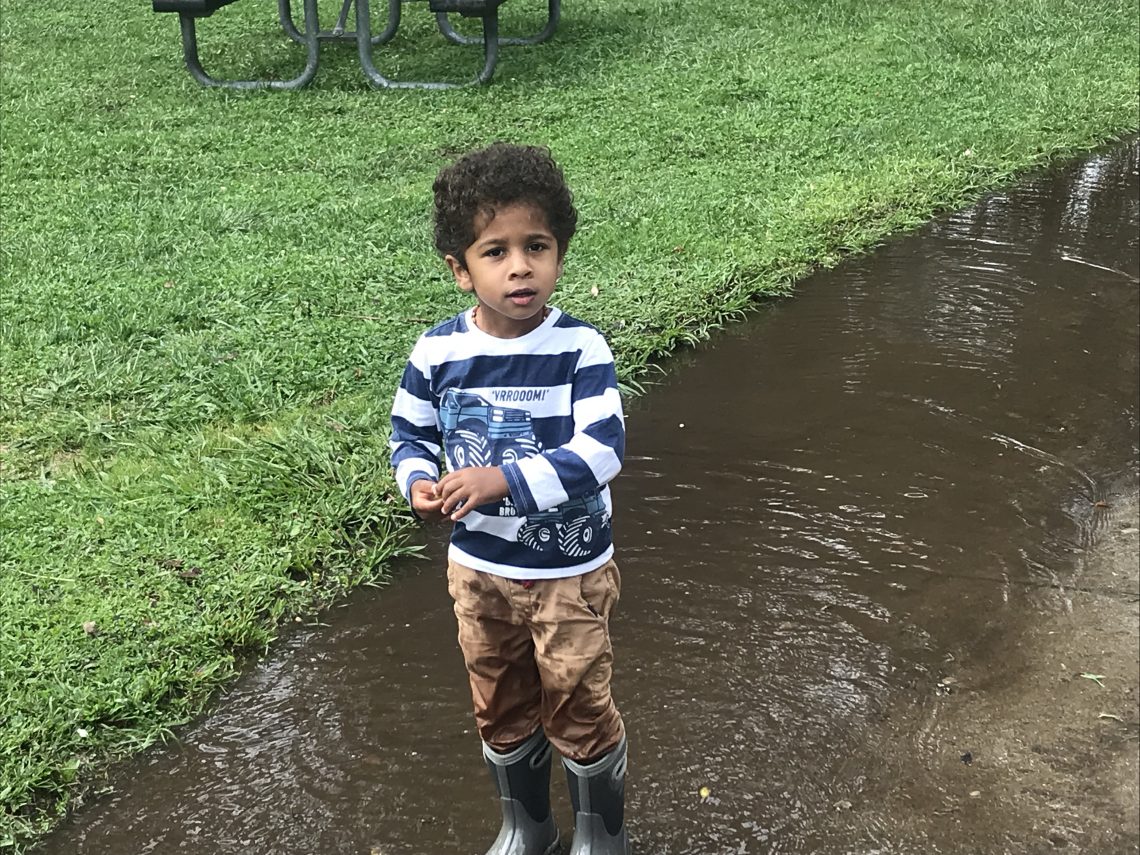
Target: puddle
820,510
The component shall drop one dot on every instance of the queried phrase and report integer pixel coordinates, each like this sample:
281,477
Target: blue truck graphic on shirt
479,433
574,527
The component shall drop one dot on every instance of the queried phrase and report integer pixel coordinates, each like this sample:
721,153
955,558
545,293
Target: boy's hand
472,486
424,501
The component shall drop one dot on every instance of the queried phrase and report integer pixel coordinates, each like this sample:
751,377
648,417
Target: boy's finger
471,500
458,497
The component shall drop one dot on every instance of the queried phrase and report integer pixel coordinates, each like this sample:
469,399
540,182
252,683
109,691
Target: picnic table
312,36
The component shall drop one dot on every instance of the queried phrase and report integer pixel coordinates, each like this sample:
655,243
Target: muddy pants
539,655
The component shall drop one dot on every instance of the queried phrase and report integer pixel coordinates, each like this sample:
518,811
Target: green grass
208,296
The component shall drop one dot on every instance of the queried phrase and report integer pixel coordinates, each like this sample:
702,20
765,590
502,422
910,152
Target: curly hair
489,178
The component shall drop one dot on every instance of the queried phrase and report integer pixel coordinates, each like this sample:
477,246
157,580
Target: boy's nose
520,267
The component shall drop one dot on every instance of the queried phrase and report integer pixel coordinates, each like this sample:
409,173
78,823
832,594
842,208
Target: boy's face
512,268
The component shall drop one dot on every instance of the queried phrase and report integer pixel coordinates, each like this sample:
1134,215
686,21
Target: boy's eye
537,247
494,252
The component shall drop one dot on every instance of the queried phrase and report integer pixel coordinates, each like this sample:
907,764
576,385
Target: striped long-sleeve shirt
545,407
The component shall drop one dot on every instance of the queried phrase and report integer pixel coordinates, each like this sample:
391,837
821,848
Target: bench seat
467,8
197,8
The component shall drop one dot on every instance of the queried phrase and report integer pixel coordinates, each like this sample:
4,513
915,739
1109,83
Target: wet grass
208,296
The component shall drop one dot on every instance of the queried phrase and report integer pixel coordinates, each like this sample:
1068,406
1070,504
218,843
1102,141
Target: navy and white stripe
544,406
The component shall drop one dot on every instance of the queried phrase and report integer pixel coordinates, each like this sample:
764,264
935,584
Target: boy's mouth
521,296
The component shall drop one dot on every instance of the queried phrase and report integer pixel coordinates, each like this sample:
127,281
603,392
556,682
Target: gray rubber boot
597,792
522,778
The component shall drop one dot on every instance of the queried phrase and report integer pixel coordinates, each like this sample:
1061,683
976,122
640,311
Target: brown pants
540,656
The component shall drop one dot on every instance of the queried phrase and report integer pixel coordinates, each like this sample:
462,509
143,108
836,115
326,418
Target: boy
523,400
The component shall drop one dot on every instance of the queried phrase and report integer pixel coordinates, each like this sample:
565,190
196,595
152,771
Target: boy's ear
461,274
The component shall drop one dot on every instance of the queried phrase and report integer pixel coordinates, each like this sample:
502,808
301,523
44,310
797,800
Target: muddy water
820,511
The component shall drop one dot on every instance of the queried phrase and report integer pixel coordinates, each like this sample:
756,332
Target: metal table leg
194,63
364,47
338,32
553,14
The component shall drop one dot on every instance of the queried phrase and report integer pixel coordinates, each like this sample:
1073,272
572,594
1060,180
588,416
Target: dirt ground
1034,749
